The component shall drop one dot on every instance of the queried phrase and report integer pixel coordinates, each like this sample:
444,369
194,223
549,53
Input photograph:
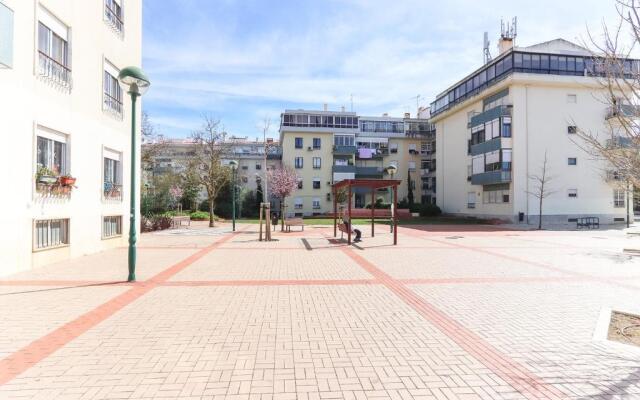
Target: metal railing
54,70
113,18
112,191
112,104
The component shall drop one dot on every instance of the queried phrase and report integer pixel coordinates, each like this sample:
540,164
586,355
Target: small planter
47,179
67,181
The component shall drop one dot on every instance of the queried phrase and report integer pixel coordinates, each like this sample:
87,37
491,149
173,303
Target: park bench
180,221
588,222
289,222
343,229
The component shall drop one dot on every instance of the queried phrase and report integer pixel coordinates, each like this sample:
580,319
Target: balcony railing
488,178
485,147
345,150
114,19
623,110
345,169
490,115
112,191
52,69
369,172
112,104
620,142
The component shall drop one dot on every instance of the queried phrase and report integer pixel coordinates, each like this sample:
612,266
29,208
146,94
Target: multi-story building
325,147
174,155
496,126
70,127
428,161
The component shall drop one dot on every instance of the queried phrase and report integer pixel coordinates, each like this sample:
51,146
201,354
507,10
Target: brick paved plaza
453,312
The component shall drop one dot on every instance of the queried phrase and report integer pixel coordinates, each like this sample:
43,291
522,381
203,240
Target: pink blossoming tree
282,183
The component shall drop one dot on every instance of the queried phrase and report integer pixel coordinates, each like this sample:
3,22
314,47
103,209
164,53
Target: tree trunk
540,216
212,206
282,214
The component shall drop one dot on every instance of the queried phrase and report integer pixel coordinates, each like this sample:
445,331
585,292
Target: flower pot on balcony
47,179
67,180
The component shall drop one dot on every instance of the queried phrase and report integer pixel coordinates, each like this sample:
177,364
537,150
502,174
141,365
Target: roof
557,46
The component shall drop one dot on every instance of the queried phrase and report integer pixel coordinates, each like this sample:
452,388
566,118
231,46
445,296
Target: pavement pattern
452,312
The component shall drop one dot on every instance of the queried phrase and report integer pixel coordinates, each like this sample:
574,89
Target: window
113,14
300,184
52,155
299,162
245,167
53,49
317,162
111,226
112,175
6,33
316,143
413,148
495,194
572,129
572,161
258,167
573,193
344,140
506,127
316,203
298,203
316,183
471,200
112,98
412,165
51,233
618,198
572,98
299,143
393,147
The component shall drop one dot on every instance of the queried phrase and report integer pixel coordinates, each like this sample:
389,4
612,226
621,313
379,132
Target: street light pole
136,83
234,169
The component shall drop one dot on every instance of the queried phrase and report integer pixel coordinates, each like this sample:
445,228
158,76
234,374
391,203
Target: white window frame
117,156
471,199
619,198
117,21
59,72
64,240
572,193
315,203
317,162
54,136
118,226
298,203
112,95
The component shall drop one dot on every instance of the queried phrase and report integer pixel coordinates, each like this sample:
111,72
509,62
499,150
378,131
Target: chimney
407,115
342,109
505,44
325,107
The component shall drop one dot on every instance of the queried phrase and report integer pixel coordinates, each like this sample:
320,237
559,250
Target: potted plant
45,176
67,180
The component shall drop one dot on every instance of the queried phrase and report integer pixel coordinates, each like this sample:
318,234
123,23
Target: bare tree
541,187
206,162
153,142
619,83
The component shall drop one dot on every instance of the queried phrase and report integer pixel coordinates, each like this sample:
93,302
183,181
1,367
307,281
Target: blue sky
244,61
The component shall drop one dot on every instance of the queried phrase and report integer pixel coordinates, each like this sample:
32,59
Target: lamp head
233,164
392,169
135,80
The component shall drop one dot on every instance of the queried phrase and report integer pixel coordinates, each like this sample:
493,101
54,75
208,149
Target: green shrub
200,216
430,210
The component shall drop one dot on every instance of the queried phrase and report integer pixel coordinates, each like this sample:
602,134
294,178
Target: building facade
70,127
325,147
495,127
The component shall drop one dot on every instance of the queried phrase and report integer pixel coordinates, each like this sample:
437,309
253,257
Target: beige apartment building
324,147
70,127
494,127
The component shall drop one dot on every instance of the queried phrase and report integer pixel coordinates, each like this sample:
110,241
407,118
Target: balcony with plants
50,183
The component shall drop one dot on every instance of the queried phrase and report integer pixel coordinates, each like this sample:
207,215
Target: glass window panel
579,64
517,59
571,64
44,37
544,61
526,61
535,61
553,62
562,63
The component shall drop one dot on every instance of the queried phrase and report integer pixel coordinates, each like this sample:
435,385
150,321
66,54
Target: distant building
324,147
494,126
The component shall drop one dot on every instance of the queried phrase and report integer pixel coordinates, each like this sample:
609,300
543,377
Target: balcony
344,150
369,172
620,142
113,16
344,169
112,104
52,69
112,191
485,147
488,178
490,115
379,154
623,111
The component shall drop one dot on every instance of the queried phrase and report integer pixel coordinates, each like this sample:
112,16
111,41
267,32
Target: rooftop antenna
509,31
487,52
417,103
351,102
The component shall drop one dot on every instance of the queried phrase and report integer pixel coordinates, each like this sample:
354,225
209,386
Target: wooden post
335,212
373,201
395,215
267,225
261,209
349,214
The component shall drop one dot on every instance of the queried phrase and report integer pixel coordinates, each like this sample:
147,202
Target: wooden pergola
373,184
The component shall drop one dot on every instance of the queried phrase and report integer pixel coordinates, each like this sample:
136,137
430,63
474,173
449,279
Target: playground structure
374,185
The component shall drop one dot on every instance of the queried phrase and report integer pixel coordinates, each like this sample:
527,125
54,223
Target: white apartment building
494,127
68,119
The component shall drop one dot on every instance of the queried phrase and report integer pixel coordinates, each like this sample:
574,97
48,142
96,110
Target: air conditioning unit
309,148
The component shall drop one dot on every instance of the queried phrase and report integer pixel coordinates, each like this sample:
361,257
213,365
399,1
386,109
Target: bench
289,222
588,222
343,229
179,221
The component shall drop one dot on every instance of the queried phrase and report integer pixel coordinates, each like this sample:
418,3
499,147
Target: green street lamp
234,169
136,83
